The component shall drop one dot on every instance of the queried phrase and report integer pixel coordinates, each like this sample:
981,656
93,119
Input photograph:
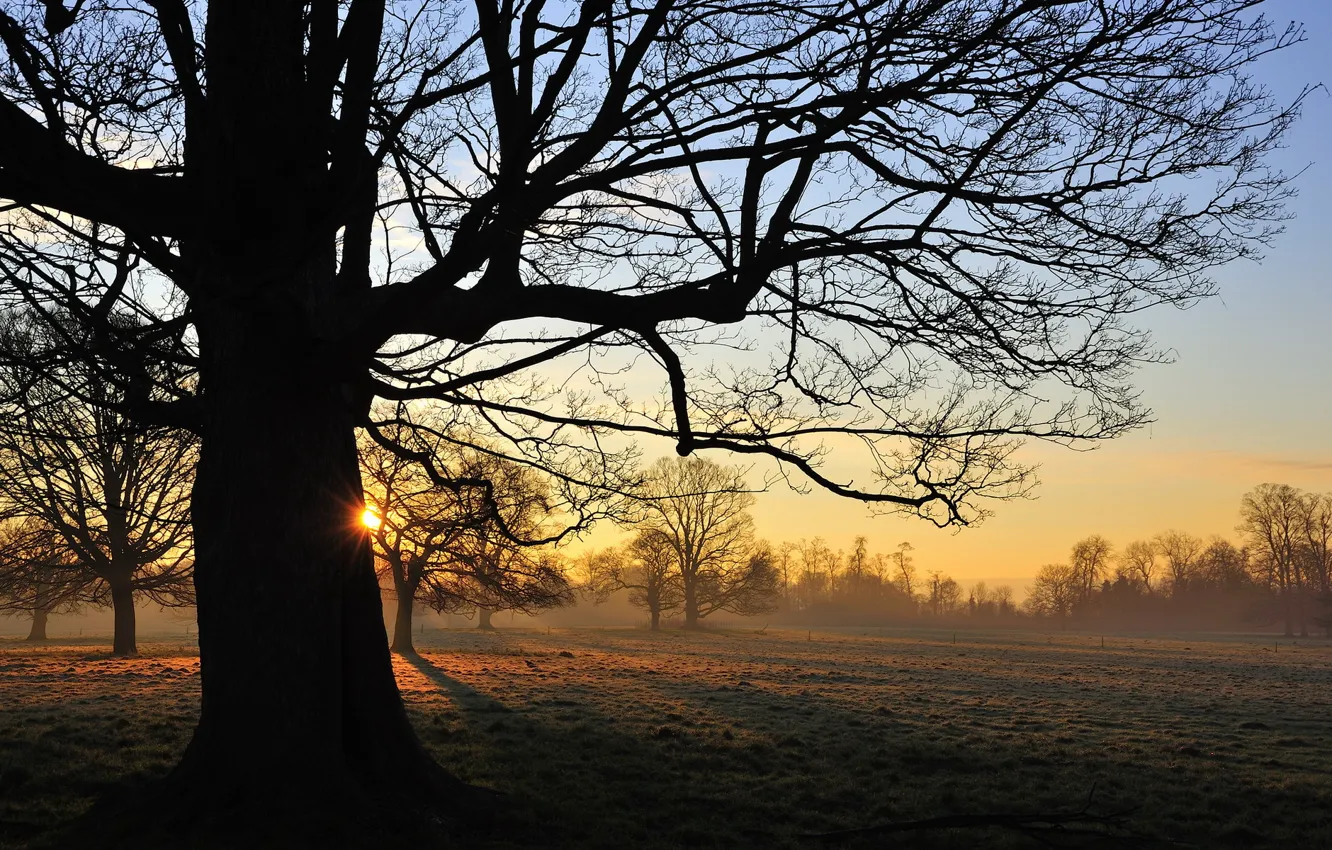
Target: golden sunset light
774,423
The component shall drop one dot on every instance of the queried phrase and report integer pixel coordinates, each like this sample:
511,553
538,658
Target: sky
1247,400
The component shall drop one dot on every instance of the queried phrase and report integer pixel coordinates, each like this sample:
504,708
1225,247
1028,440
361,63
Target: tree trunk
483,616
690,605
656,619
38,630
402,622
122,605
301,723
1287,596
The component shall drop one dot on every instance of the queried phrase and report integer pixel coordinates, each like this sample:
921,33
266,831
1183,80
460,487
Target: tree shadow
615,788
667,758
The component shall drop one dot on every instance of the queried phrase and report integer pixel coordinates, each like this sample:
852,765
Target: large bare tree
914,227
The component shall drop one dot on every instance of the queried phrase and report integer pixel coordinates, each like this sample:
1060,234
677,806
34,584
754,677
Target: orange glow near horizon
370,519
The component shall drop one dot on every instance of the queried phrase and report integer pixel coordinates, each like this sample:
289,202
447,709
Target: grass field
616,739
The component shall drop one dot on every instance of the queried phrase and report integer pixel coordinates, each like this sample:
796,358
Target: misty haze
532,423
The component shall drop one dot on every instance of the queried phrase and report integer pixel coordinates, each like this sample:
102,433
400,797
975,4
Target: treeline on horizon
1277,574
94,514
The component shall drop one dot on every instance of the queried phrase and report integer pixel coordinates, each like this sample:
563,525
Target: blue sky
1248,400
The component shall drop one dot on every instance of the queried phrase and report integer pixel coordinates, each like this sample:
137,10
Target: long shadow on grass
580,780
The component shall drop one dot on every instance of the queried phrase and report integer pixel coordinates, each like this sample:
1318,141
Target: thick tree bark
301,722
38,630
122,605
656,620
483,616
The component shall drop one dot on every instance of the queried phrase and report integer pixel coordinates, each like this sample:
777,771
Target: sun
370,519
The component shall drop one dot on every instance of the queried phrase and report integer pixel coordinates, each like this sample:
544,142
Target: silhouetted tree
453,548
943,594
904,569
936,214
1057,588
702,509
1271,518
646,567
412,524
35,576
114,494
1090,562
1181,552
1138,563
1315,552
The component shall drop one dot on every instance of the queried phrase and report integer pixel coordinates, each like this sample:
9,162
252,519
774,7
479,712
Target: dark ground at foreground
615,739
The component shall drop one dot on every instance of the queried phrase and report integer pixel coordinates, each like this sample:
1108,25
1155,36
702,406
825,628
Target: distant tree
702,508
1090,562
1315,550
1057,588
858,562
943,594
784,559
1225,566
982,600
1271,518
413,522
463,548
646,566
1138,563
1003,599
818,570
1181,552
35,576
114,494
904,569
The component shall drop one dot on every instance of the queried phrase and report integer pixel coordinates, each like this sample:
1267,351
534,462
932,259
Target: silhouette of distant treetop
912,230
